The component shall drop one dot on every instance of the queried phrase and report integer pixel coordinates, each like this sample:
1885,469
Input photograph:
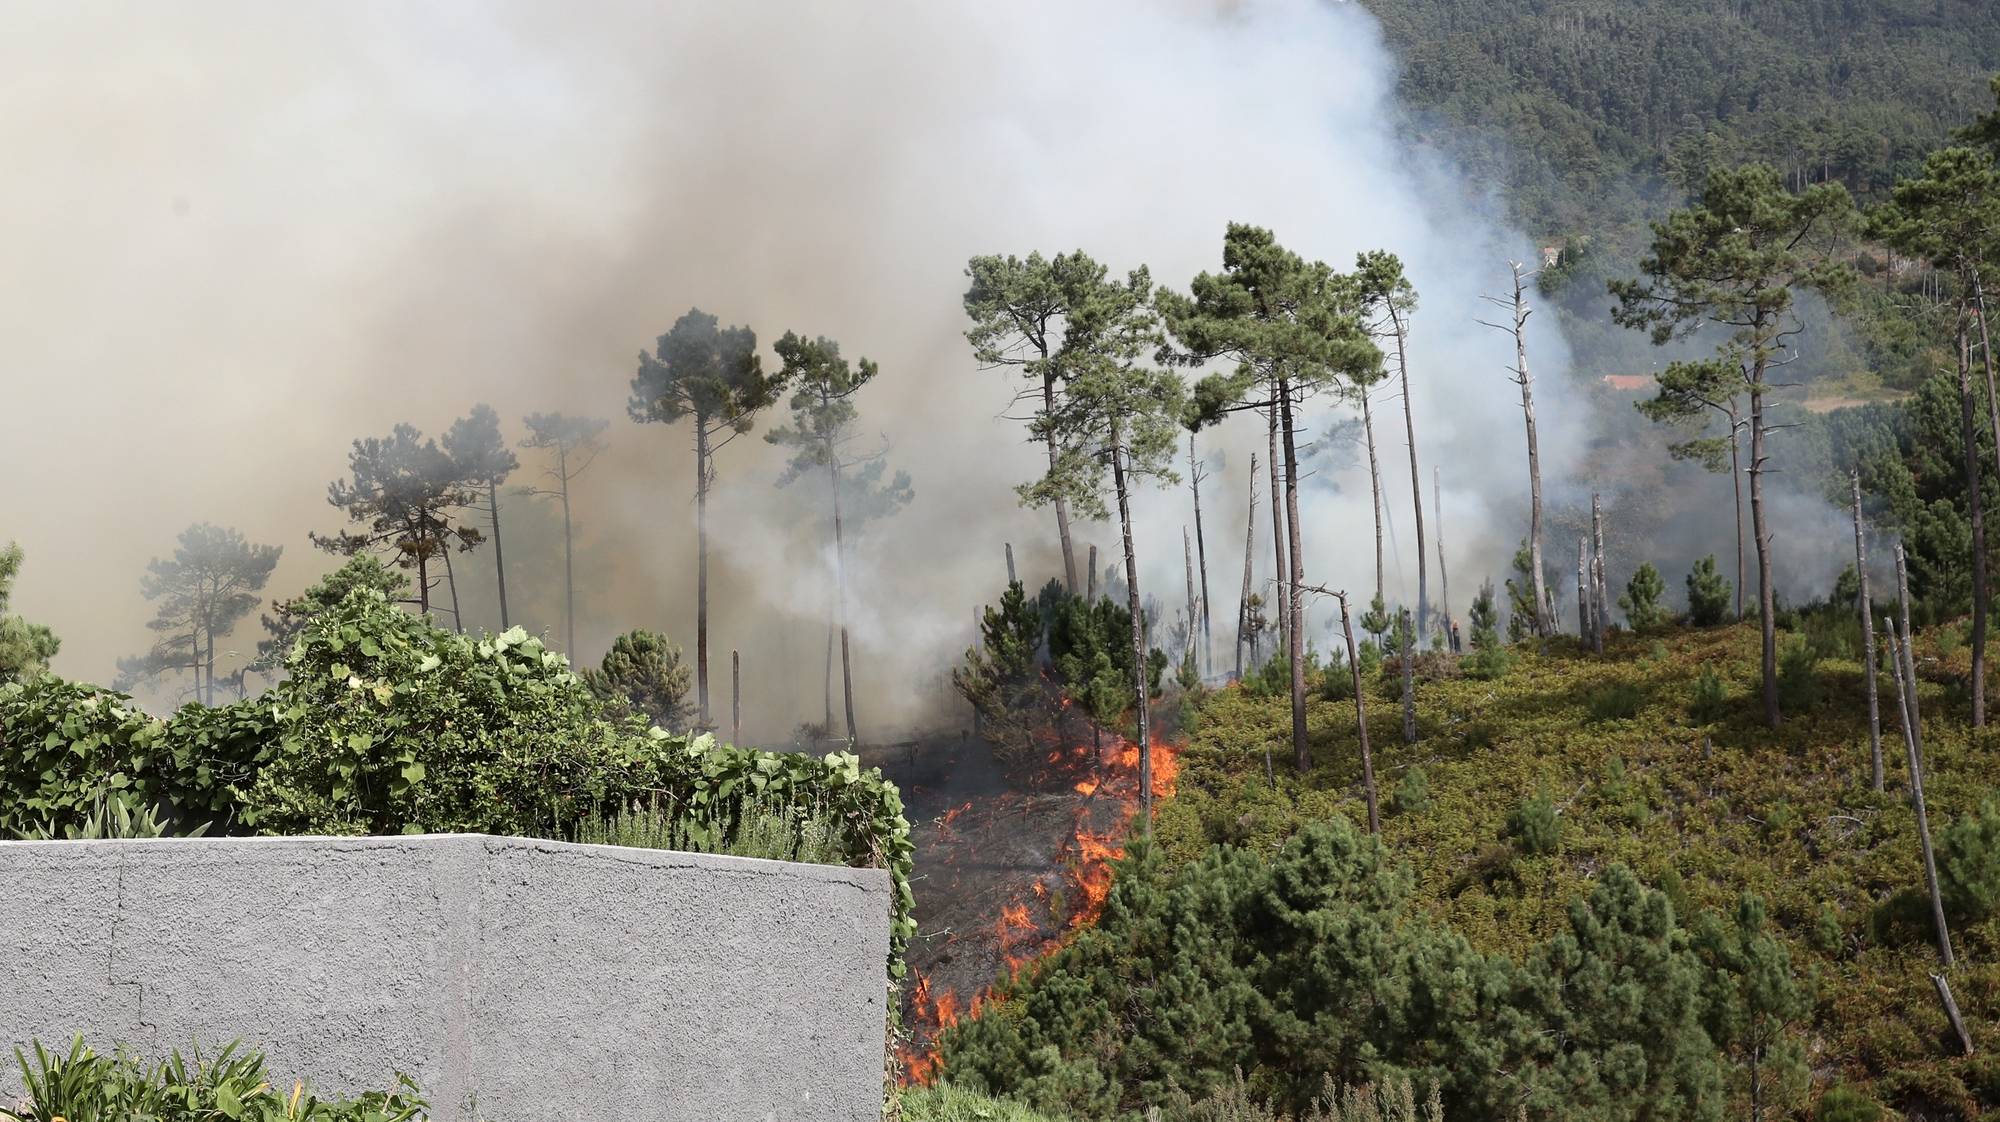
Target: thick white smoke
244,234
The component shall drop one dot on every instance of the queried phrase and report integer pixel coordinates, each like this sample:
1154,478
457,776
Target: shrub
1968,857
1709,698
1490,660
944,1102
1619,701
1845,1104
772,828
1641,601
1708,594
1535,824
85,1086
642,674
1412,793
1798,680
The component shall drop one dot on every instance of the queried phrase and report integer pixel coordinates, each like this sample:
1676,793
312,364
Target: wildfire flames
1097,782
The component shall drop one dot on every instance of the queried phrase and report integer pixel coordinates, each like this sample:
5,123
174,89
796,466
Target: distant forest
1593,114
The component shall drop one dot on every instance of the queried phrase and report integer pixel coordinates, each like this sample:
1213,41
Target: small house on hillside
1629,383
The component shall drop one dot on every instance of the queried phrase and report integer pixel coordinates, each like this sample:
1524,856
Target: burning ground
1011,857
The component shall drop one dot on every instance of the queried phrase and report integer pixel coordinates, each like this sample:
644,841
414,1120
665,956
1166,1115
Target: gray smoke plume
244,234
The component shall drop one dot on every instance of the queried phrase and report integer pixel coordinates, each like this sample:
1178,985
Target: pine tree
1708,594
209,584
714,378
405,491
642,674
25,648
484,462
1641,601
1733,260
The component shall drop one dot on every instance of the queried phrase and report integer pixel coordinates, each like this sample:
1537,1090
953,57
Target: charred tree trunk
1243,633
1201,562
1409,652
1867,638
1091,577
1138,635
569,559
1444,576
1736,482
1600,613
1767,608
1187,555
736,697
1374,483
701,566
1969,433
1283,572
1360,716
1011,578
1294,593
840,600
831,629
1583,589
499,559
1544,617
451,582
1416,476
423,552
1061,504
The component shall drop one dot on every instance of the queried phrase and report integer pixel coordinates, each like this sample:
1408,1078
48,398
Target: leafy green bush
88,1087
1535,825
1708,594
1641,601
945,1102
386,724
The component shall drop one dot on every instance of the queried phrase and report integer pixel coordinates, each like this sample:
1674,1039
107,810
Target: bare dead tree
1091,577
1583,621
1195,475
735,697
1900,651
1360,712
1278,525
1408,643
1243,631
1867,637
1601,609
1517,326
1444,580
1187,551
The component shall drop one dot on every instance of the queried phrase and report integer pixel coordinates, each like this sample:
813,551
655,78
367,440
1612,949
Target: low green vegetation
1715,918
81,1085
385,723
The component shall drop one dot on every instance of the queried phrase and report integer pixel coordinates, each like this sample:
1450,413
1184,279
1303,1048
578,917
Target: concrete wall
513,979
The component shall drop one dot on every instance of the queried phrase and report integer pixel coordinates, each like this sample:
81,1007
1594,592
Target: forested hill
1589,112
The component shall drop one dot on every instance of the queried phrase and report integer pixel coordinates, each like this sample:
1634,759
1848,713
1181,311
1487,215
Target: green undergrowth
82,1085
1521,791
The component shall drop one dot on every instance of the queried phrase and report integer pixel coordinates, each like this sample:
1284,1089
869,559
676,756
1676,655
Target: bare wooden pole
1867,637
1444,579
735,697
1249,547
1601,607
1011,578
1899,651
1408,643
1360,715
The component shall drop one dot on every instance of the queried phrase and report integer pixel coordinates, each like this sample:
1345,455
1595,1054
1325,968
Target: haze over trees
483,458
575,442
714,378
823,436
200,593
1732,261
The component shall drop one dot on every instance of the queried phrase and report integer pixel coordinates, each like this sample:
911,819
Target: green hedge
387,724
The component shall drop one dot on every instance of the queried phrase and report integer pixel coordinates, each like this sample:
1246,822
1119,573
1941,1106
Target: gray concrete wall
513,979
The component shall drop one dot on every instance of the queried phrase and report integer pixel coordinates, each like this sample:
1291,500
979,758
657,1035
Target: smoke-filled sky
242,234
